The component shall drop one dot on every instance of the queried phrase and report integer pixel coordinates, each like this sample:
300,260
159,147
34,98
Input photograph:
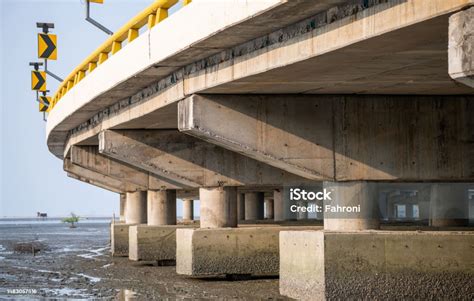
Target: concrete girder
89,157
95,183
92,177
188,160
461,47
397,138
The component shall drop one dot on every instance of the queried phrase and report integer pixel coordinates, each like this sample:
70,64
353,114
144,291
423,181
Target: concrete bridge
233,102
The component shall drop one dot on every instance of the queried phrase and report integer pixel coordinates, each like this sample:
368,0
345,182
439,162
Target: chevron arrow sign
44,103
47,46
38,80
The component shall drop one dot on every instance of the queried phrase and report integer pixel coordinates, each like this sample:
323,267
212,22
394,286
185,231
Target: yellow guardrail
150,16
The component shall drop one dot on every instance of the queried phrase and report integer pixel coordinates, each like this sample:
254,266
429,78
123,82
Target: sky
31,178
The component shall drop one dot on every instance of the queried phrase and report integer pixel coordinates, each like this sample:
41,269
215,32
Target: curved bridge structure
234,101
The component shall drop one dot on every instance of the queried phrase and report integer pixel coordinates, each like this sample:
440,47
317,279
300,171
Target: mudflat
76,263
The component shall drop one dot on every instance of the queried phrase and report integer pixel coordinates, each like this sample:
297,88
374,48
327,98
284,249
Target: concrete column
270,213
254,205
188,209
281,206
218,207
302,215
449,205
123,200
135,212
241,206
278,211
161,207
351,195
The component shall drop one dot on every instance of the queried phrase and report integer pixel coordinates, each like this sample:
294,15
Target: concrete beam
89,158
461,47
187,160
397,138
278,130
94,183
96,178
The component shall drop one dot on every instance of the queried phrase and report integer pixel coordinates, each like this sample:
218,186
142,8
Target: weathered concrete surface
188,209
153,243
293,133
237,251
254,206
281,206
161,207
218,207
358,49
89,158
349,194
136,209
119,239
398,138
319,265
97,179
187,160
269,211
461,47
94,183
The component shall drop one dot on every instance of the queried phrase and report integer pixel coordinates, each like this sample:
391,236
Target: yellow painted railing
150,16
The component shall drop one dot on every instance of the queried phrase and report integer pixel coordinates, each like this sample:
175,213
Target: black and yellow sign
38,80
44,102
47,46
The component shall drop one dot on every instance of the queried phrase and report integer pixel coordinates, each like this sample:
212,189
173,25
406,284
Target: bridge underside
372,103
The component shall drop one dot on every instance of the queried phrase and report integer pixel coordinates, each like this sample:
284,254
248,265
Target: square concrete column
123,200
449,205
352,206
254,205
218,207
136,211
241,206
188,209
269,211
161,207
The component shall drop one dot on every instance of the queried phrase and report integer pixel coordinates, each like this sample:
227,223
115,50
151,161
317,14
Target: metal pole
51,73
94,22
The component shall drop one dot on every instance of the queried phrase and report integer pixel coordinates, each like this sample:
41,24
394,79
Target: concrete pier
153,243
269,211
136,212
119,244
241,206
188,209
229,251
218,207
320,265
357,194
161,207
449,205
254,209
